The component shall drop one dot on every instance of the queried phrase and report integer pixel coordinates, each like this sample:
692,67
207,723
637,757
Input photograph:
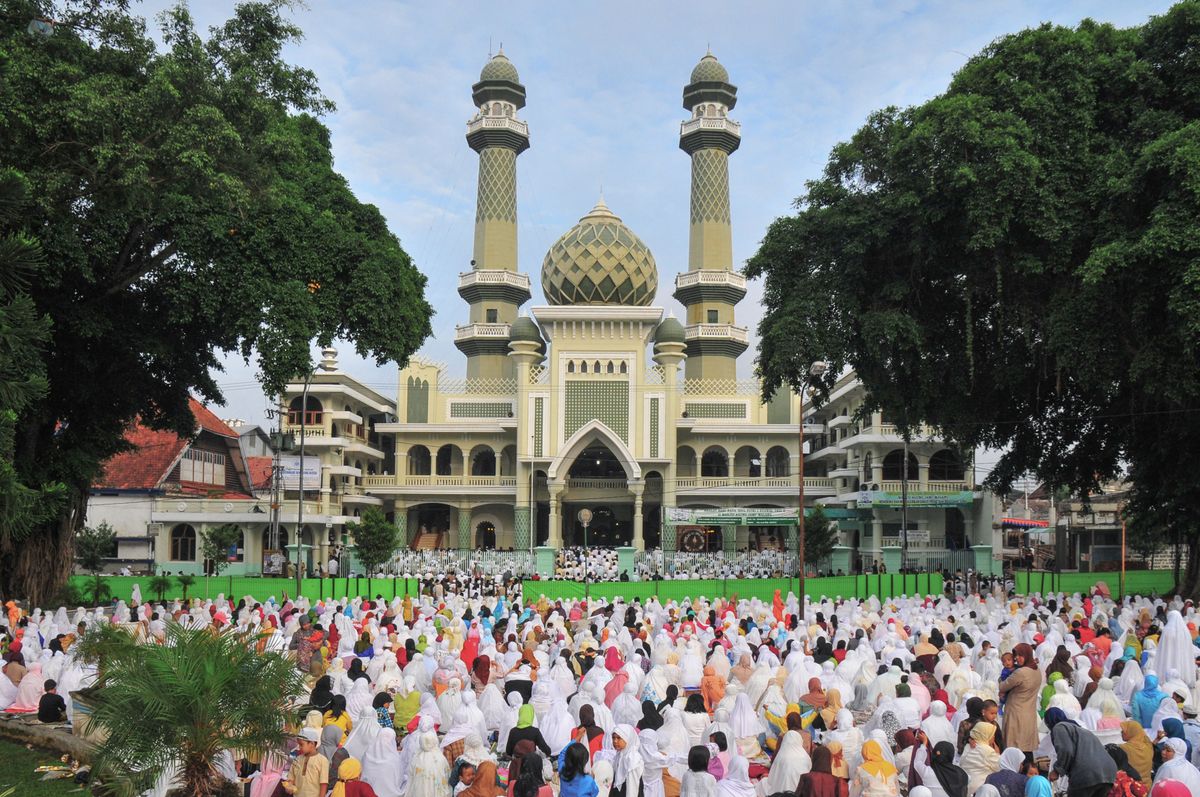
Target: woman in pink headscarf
614,688
29,691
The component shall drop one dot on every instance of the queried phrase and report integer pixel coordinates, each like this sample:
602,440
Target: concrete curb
55,739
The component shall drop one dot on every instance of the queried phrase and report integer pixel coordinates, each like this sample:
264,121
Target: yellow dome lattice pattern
599,261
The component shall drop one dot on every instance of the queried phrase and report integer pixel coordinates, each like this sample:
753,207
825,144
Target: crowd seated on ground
973,695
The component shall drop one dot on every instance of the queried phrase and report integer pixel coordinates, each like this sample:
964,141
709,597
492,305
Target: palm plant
185,581
159,585
172,709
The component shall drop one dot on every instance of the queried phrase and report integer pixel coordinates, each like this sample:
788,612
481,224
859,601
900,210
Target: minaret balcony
497,131
716,132
494,285
474,339
692,287
716,339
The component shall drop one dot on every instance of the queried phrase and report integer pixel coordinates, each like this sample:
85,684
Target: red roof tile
146,464
261,470
210,422
154,452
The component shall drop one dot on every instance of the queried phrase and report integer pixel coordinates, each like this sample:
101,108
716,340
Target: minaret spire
499,136
710,137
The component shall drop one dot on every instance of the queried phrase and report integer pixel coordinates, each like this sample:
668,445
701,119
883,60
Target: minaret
493,286
710,288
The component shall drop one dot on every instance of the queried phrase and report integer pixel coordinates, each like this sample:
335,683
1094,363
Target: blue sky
604,84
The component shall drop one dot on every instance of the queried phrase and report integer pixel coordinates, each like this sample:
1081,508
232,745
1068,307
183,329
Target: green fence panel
885,586
1141,582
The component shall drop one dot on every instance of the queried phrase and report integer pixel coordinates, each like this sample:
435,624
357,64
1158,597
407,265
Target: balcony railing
914,485
513,279
497,123
690,278
774,482
710,123
423,480
467,331
716,331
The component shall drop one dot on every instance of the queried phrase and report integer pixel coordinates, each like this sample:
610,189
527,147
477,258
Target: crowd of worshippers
974,696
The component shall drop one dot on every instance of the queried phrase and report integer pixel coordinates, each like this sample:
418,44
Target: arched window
778,461
596,368
483,462
624,367
418,461
747,462
685,461
611,368
449,460
307,412
945,466
570,366
714,463
893,468
583,367
183,544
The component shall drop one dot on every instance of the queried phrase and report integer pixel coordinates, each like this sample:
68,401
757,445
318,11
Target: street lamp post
814,371
300,503
585,517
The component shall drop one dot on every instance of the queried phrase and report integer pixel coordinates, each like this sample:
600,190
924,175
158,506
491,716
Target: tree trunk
1188,584
37,567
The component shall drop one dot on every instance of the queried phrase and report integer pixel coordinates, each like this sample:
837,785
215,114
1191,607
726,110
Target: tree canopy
375,539
1017,263
187,206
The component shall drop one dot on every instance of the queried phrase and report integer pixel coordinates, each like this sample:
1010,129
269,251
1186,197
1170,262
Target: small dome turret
709,70
524,329
500,68
669,330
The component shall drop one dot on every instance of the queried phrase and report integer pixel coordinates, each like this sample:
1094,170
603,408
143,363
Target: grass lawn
16,769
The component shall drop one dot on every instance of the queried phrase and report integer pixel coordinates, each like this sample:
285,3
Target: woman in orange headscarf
875,775
712,688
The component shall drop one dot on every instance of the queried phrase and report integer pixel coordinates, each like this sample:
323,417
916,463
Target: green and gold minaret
710,288
493,286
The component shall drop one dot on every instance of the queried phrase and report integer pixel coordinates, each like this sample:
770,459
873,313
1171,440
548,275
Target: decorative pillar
729,540
400,519
983,559
465,543
923,475
639,540
877,473
876,535
521,529
840,559
554,538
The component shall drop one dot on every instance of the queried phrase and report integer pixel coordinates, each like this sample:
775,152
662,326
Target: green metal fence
237,587
1137,582
886,585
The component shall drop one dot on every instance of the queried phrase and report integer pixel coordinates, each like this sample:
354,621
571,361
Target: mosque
596,418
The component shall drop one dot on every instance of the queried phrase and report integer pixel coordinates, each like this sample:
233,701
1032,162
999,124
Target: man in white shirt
331,567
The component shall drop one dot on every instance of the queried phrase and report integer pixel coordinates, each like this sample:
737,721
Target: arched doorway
485,535
597,461
429,526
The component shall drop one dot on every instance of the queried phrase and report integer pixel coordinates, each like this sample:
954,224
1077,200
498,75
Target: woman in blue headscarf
1173,728
1146,702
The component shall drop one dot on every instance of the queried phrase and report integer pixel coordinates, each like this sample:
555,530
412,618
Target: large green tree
187,206
1017,262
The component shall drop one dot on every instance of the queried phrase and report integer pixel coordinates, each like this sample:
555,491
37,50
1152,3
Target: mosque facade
596,406
597,402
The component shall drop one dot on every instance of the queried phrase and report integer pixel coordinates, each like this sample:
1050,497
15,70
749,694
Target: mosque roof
709,70
499,68
599,261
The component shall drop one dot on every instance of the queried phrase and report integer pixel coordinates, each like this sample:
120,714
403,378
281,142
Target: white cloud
605,84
